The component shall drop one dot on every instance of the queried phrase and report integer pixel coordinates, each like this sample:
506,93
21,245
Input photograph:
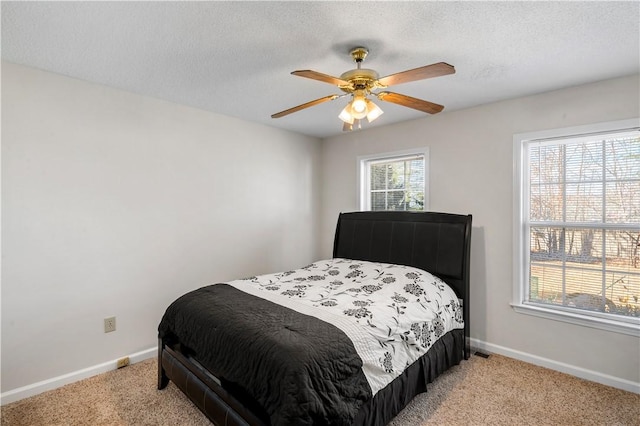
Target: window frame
363,162
521,257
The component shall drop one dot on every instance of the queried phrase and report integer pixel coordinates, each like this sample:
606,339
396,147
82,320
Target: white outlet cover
109,324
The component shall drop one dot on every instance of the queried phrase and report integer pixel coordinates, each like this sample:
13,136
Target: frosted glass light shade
374,111
345,115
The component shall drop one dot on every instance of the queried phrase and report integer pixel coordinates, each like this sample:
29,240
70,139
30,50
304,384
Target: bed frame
436,242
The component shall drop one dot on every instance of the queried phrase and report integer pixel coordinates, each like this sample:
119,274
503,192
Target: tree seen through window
397,184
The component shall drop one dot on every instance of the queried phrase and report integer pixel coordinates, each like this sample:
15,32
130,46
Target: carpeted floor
493,391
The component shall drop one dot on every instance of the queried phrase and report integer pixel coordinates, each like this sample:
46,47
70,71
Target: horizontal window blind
396,183
583,222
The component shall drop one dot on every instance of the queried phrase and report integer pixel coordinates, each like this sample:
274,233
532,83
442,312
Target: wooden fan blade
428,71
315,75
303,106
408,101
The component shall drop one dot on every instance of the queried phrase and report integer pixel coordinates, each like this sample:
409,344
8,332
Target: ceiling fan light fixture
345,115
358,115
359,105
373,111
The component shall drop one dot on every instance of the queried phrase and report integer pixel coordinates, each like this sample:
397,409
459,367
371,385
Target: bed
282,348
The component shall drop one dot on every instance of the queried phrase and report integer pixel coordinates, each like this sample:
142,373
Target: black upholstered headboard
439,243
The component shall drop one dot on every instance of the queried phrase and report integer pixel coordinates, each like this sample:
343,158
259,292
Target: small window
394,181
578,236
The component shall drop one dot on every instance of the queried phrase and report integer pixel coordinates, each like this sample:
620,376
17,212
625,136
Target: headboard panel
439,243
436,242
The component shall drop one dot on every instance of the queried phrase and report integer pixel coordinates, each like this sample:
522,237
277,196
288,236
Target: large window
578,225
394,181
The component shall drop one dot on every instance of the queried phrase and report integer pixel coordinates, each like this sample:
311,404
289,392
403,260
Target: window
394,181
577,240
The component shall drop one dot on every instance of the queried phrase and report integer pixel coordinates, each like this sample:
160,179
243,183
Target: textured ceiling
235,58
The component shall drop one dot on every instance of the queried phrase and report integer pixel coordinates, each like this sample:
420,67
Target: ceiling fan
360,83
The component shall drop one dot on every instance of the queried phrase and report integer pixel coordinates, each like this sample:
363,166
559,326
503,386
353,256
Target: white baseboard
56,382
580,372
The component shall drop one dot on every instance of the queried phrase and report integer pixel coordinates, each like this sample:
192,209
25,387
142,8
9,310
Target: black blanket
302,370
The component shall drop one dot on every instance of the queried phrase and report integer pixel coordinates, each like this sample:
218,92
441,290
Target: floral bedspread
391,313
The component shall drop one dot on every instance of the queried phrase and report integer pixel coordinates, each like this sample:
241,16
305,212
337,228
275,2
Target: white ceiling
235,58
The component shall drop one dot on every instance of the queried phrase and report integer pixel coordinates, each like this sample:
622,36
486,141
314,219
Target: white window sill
630,326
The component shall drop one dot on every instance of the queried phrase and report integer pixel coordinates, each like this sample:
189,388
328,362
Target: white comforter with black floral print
391,313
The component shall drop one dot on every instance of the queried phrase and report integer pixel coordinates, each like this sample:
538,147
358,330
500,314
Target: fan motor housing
359,79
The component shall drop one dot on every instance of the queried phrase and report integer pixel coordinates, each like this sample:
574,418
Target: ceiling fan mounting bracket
358,54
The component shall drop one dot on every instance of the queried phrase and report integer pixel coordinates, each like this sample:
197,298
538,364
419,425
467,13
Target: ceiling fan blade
408,101
315,75
303,106
428,71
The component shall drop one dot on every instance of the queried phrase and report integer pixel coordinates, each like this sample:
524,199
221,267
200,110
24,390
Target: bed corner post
163,380
467,337
335,238
467,288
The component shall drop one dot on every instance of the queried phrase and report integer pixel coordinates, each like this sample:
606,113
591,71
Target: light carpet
493,391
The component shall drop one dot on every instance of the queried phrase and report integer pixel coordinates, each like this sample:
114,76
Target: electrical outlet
123,362
109,324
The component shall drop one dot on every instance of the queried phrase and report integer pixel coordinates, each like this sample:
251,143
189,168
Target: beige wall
114,204
471,159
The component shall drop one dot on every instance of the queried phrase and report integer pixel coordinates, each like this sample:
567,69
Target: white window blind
581,224
394,181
